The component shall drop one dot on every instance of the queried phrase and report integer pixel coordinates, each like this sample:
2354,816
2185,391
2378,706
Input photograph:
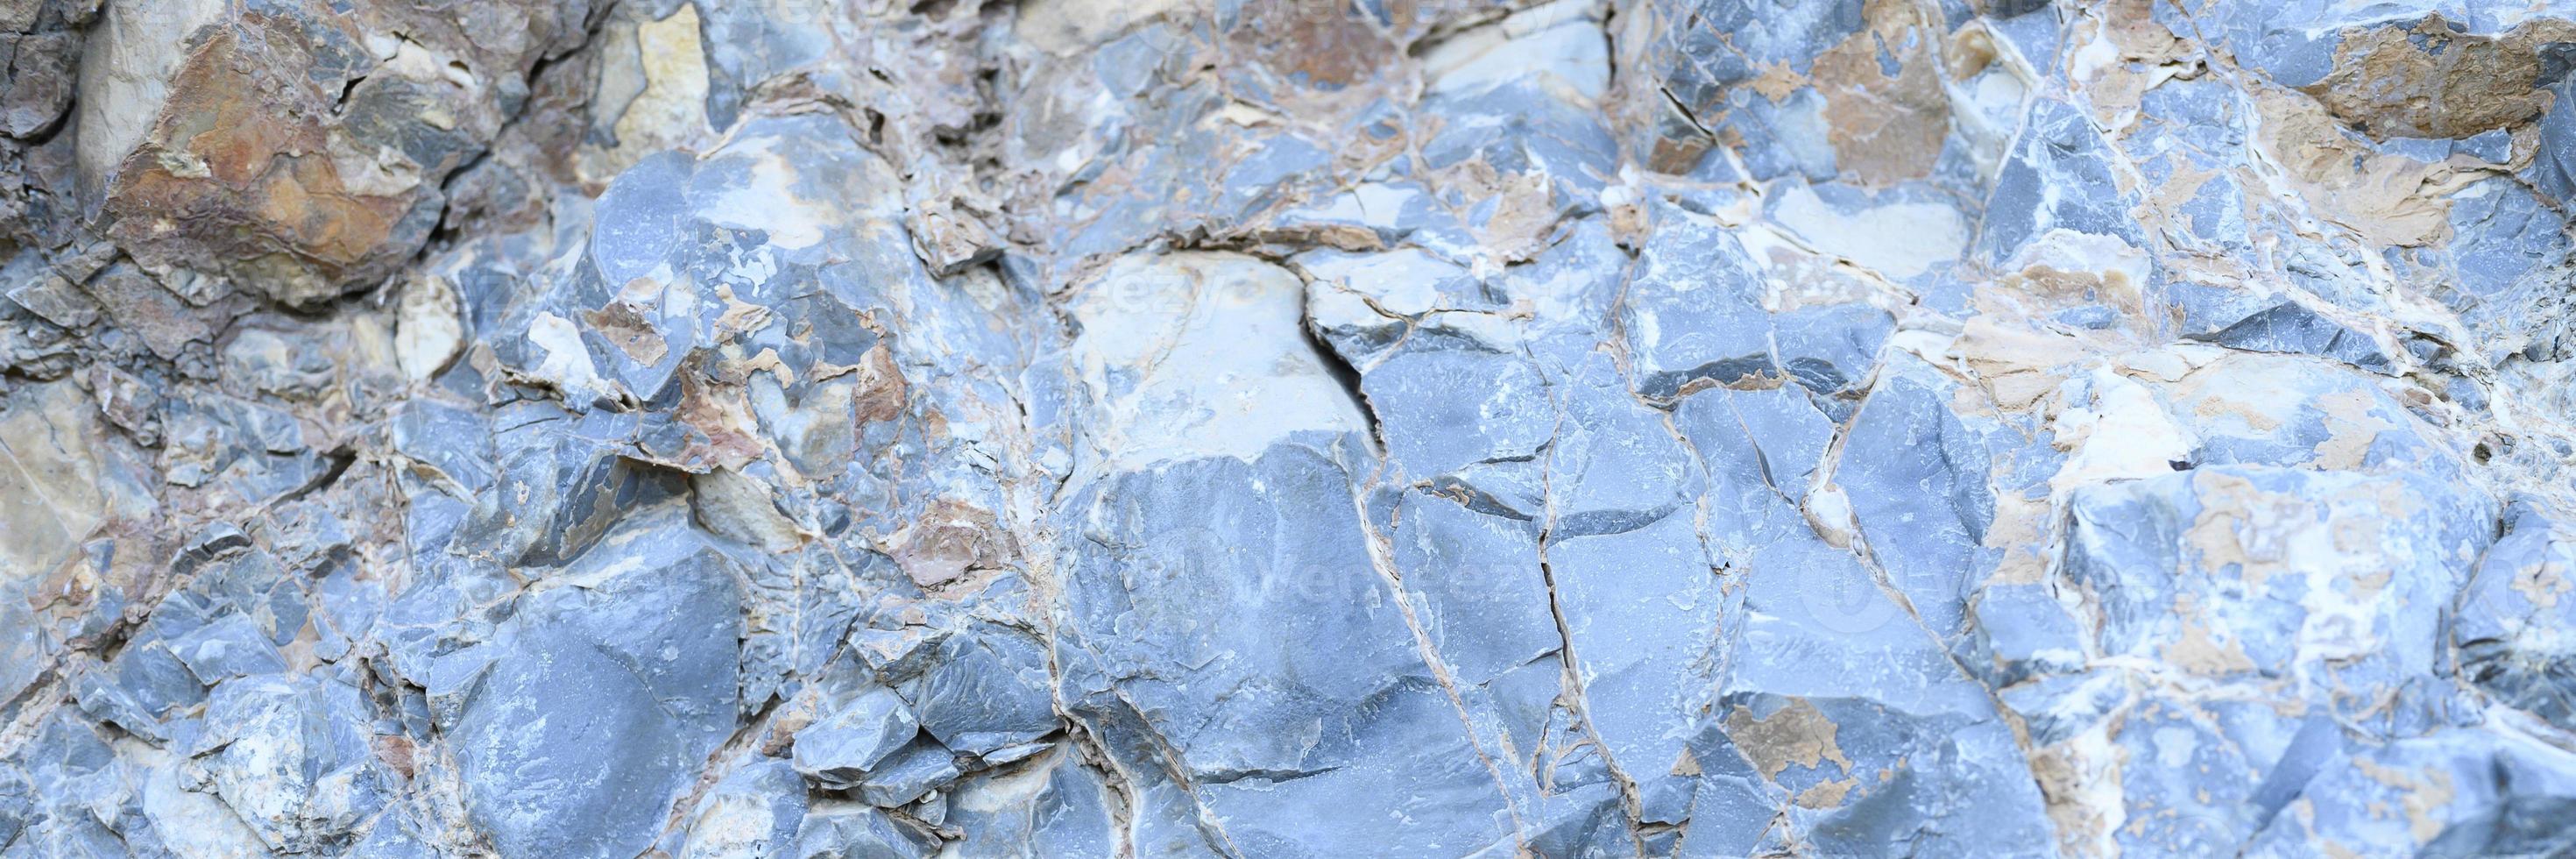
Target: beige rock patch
51,497
1885,129
1797,733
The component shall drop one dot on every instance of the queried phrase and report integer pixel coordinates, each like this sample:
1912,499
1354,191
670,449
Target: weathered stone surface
755,811
1180,428
297,149
2509,623
840,748
599,700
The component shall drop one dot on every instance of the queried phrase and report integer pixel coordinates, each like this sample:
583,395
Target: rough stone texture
784,428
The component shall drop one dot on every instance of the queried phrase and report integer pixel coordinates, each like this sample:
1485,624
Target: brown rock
297,150
2428,81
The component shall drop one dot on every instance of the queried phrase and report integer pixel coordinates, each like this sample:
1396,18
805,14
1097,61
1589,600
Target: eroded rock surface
780,428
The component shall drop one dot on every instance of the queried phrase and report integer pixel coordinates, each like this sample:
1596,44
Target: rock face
554,428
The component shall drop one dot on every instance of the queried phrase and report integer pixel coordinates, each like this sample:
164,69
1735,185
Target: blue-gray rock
292,758
849,830
754,812
1086,428
909,773
2456,792
1053,806
2307,583
2508,616
603,696
986,692
1918,482
840,748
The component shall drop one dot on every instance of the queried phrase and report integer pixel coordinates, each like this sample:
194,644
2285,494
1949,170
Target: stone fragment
2507,625
909,773
291,759
850,830
602,697
843,745
754,812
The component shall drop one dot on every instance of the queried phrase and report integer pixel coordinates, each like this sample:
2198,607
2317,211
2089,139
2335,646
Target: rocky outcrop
1486,427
